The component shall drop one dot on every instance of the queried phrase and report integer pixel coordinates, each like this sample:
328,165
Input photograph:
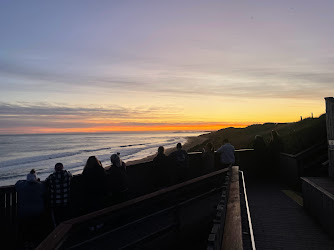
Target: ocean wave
127,150
33,159
132,145
94,150
39,158
73,151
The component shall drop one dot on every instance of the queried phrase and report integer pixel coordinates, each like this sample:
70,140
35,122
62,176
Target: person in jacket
95,184
208,158
260,156
275,149
59,193
31,196
226,154
118,176
180,163
161,169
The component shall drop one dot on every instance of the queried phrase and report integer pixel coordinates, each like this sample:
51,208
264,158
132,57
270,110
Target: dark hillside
296,136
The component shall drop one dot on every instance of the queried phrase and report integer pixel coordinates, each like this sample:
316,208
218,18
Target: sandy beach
191,142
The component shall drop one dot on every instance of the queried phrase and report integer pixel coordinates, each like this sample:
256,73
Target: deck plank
279,222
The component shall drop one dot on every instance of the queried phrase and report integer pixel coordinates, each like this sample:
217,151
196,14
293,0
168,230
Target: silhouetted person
260,155
208,158
95,184
59,193
180,162
161,170
31,196
118,176
275,148
226,154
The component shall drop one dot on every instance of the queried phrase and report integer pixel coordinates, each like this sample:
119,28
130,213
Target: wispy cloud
46,115
252,82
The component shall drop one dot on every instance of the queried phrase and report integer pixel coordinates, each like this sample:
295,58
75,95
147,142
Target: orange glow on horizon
181,127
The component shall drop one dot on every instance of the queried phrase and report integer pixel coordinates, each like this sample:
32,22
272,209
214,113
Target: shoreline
191,142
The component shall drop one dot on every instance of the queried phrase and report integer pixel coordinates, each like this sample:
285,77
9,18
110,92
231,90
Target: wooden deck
281,223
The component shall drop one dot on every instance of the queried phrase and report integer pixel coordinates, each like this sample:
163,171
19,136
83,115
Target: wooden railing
58,236
306,163
216,235
8,211
227,227
137,175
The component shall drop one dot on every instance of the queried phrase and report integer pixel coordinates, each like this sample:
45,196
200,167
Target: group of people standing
170,169
267,154
36,198
224,157
174,168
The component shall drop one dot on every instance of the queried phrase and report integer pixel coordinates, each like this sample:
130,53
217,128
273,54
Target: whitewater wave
132,145
39,158
18,157
94,150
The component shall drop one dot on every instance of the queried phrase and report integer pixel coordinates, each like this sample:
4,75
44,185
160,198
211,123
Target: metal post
330,133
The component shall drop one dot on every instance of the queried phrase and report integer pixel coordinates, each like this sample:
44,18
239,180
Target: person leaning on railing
118,177
180,164
208,159
95,184
161,169
30,208
59,193
226,153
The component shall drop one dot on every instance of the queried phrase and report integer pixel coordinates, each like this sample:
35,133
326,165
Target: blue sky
189,61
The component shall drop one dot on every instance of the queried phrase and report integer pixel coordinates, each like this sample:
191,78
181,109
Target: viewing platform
185,215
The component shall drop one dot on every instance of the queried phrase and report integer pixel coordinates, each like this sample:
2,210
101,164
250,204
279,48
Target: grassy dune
296,136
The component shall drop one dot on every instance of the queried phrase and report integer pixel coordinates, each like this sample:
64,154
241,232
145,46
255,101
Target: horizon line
172,129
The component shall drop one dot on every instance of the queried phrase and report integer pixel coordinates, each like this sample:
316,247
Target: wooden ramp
281,223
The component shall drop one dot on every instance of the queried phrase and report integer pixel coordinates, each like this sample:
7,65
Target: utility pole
330,133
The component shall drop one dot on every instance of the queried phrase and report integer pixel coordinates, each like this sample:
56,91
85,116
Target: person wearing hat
30,206
59,193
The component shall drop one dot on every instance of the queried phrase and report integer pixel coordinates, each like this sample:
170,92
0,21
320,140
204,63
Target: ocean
20,153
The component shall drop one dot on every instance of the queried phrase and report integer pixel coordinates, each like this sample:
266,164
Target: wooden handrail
59,234
306,151
232,237
323,191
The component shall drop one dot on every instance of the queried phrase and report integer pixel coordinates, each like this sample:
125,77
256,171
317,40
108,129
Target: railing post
330,133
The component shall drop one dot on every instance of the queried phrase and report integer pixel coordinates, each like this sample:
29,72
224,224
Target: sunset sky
92,66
